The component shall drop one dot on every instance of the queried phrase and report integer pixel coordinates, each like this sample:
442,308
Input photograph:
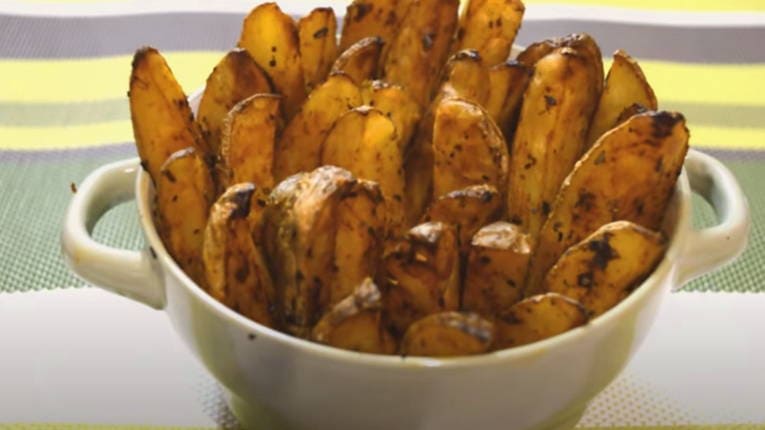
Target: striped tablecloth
64,67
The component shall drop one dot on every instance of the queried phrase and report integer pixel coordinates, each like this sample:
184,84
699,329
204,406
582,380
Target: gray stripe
53,37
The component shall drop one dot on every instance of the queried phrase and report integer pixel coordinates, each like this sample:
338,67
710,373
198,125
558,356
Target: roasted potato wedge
236,77
396,104
318,45
422,275
625,86
465,76
271,38
498,259
162,120
629,112
235,269
508,82
184,194
299,148
603,269
421,46
468,148
490,27
355,323
629,174
365,18
551,134
537,318
467,210
360,60
448,334
249,136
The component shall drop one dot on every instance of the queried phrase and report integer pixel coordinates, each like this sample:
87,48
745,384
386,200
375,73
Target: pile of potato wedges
406,187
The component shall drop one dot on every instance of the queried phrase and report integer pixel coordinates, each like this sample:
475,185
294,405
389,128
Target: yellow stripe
703,136
687,5
35,81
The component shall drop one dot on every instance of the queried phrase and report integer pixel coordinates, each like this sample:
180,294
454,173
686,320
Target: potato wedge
551,134
355,323
184,194
605,267
467,210
396,104
422,275
498,259
360,60
249,137
318,45
448,334
580,42
271,38
465,76
234,266
508,82
629,112
537,318
364,18
162,120
490,27
629,174
299,148
468,148
625,85
421,46
236,77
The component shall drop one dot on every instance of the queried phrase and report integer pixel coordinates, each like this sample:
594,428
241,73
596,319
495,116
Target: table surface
64,66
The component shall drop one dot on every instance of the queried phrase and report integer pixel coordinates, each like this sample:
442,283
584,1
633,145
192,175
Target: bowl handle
710,248
129,273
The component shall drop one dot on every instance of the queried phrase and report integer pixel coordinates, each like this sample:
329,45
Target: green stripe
63,114
719,115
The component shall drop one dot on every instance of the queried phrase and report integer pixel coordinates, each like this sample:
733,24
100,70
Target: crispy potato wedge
629,174
184,194
508,82
236,77
318,45
625,85
421,46
537,318
235,269
468,148
418,172
360,60
465,76
580,42
467,210
355,323
551,134
605,267
365,18
162,120
249,137
629,112
490,27
422,275
396,104
448,334
299,148
271,38
496,269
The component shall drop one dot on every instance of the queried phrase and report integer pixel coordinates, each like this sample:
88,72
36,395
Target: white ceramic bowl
276,381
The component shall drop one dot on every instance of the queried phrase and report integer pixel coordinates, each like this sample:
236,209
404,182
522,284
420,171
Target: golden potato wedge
490,27
249,137
271,38
162,120
422,275
299,148
465,76
184,194
581,42
236,77
508,82
318,45
496,269
396,104
421,46
448,334
355,323
235,269
629,174
605,267
468,148
364,18
360,60
467,210
625,85
551,134
418,172
629,112
537,318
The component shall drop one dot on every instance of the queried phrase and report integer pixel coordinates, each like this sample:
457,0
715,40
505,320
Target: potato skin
360,60
537,318
380,18
318,45
629,174
490,27
448,334
605,267
508,81
396,104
